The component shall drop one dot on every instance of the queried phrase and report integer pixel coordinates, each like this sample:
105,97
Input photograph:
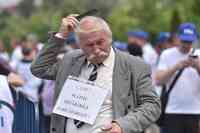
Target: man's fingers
68,24
69,18
73,18
185,63
67,21
73,23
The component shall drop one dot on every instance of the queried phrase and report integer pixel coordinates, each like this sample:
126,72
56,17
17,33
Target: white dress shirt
104,79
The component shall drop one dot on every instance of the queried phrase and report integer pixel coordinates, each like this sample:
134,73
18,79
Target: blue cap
188,32
120,45
71,39
162,37
139,34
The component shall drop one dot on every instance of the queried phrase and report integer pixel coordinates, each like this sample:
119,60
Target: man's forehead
92,36
89,27
88,24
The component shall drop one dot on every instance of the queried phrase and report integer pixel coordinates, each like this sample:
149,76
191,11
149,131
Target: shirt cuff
59,35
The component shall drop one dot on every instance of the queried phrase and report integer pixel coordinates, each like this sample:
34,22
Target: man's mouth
95,56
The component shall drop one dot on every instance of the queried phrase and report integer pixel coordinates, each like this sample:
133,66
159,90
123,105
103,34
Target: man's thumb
107,126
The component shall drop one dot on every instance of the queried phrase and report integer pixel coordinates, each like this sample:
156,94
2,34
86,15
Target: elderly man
131,104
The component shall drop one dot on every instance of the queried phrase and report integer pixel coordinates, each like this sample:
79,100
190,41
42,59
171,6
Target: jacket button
129,106
53,129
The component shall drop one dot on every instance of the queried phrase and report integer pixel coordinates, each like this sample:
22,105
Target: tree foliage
122,15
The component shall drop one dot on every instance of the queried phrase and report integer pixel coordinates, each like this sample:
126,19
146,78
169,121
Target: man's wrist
175,68
115,122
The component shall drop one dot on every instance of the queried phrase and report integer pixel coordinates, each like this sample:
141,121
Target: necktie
92,77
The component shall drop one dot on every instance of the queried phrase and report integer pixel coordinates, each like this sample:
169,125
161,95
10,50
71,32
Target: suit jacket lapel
77,64
121,84
121,73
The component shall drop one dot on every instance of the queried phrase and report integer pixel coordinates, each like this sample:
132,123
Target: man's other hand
112,128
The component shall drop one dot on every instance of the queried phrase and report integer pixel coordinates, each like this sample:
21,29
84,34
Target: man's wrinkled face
96,45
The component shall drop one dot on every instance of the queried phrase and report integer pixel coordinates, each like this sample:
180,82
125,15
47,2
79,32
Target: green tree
26,8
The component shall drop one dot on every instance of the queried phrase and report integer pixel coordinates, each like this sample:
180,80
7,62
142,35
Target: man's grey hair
98,22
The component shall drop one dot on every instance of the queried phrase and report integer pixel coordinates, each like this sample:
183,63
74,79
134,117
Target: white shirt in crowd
32,83
104,79
6,115
185,96
150,56
16,56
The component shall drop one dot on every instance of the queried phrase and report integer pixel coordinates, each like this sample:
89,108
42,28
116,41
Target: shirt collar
108,61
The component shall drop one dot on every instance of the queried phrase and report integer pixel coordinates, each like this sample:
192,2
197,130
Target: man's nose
96,50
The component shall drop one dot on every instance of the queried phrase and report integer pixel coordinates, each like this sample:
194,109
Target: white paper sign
80,99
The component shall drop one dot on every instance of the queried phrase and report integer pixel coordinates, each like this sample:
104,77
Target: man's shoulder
133,62
169,51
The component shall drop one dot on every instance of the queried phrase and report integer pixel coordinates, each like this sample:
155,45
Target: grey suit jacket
135,103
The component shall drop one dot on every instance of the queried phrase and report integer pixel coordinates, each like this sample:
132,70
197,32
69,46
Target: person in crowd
9,80
183,106
174,40
120,46
28,103
135,50
16,54
140,38
32,83
162,42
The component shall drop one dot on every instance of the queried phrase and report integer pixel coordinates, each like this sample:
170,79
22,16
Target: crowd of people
31,72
